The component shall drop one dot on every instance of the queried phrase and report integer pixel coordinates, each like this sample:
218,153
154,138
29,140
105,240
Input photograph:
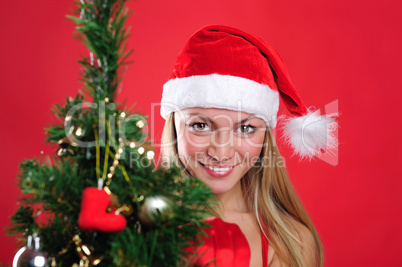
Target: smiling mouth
218,171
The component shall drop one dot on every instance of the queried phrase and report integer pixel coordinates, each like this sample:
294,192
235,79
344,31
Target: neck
233,200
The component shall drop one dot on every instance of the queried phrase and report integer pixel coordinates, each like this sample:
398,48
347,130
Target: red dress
225,246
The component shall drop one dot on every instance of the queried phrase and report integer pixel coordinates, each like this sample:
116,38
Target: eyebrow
202,116
246,119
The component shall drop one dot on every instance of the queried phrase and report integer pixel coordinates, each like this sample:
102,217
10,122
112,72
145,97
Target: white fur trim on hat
220,91
311,134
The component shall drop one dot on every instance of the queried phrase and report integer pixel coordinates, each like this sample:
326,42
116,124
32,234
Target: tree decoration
93,215
87,259
154,209
31,255
152,215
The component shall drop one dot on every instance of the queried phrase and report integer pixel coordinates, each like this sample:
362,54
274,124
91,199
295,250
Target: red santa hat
223,67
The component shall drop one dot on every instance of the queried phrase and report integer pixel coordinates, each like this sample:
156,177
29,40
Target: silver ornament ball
155,208
31,255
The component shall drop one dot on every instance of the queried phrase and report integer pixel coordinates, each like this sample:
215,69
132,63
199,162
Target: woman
220,105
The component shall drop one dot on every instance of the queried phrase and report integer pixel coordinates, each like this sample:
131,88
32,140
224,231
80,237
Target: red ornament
94,215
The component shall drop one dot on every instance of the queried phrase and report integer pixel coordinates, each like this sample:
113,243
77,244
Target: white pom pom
310,134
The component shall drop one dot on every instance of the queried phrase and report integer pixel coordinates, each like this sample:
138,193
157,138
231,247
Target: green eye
245,128
199,126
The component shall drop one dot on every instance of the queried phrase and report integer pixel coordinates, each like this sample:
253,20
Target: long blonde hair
270,195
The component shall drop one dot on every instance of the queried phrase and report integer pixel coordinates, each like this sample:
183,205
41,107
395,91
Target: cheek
251,149
190,146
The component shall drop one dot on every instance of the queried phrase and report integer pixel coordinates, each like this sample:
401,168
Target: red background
335,50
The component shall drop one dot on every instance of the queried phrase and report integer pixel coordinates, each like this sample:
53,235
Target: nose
221,146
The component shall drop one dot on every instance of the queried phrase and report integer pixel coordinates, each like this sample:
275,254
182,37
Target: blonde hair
270,195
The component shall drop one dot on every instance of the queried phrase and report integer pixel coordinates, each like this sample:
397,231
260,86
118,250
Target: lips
218,171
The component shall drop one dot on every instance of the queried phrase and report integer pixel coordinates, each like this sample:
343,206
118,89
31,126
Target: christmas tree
100,201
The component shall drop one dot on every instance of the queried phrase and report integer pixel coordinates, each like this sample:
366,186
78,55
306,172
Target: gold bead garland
85,252
117,156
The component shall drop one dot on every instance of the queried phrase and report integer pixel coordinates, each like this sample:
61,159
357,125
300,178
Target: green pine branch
101,28
52,187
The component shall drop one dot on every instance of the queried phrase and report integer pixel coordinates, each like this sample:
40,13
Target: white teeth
217,169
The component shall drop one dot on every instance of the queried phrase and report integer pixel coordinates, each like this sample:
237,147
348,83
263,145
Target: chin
218,185
218,191
218,188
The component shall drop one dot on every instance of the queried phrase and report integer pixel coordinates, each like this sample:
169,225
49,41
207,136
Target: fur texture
220,91
311,134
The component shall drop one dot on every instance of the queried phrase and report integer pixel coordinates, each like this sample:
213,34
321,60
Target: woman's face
218,146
